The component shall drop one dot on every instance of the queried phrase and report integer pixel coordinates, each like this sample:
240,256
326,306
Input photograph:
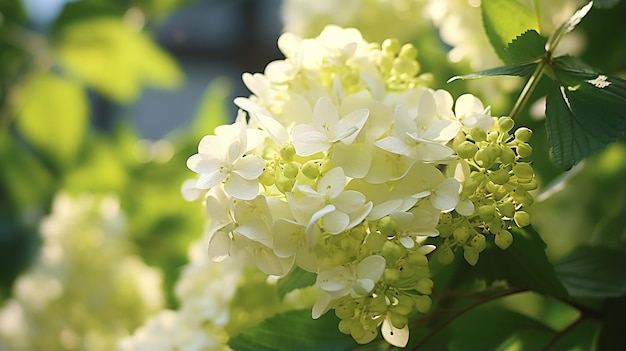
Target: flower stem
530,86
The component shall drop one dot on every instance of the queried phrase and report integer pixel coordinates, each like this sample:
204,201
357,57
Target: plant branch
467,308
563,332
530,86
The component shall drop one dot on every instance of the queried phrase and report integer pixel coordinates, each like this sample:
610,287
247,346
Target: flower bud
345,325
486,212
403,66
478,134
391,45
445,255
422,303
507,209
504,239
467,149
287,151
291,169
492,137
479,242
461,235
284,184
523,134
408,51
392,251
268,177
507,156
499,177
505,124
311,169
387,226
524,150
417,259
521,218
523,171
391,276
424,286
398,320
470,254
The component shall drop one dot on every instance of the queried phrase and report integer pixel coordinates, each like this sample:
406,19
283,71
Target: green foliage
97,52
593,272
294,330
585,113
297,279
523,265
55,123
504,21
529,46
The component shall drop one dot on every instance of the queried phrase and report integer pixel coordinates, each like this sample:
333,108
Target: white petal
446,195
249,167
256,231
407,242
308,142
362,287
286,237
332,183
426,249
335,222
325,117
207,181
241,188
465,207
219,246
395,336
272,127
467,103
402,121
337,280
442,130
371,267
426,108
349,201
355,119
203,163
394,145
381,210
322,305
189,191
311,225
354,159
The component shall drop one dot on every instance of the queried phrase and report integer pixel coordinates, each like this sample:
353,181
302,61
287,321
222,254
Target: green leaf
294,330
98,52
297,279
593,272
512,330
53,116
524,264
504,20
526,47
585,112
513,70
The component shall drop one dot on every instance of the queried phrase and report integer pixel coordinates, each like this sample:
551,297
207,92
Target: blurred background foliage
57,77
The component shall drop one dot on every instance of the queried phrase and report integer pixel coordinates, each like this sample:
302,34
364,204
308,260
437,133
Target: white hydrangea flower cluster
346,165
86,289
205,290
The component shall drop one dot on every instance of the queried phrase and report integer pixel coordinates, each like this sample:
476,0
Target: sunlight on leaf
53,115
526,47
115,58
504,20
297,279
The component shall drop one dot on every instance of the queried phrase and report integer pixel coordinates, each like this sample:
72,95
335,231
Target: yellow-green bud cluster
498,185
398,65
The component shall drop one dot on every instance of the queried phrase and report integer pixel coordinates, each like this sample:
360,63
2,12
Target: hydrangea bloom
85,289
363,165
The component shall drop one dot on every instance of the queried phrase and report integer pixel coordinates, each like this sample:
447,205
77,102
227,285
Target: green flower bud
492,137
403,66
391,45
408,51
391,276
424,286
479,242
469,187
504,239
387,226
311,169
417,259
287,151
467,150
507,156
521,218
505,124
445,218
268,177
524,150
470,254
478,134
375,241
521,196
291,169
422,303
345,326
284,184
398,320
445,256
507,209
486,212
461,235
523,171
499,177
392,251
523,134
357,331
445,230
530,185
326,166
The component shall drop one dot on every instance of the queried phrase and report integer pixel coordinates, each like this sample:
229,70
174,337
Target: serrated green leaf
504,20
513,330
97,51
294,330
593,272
53,116
526,47
297,279
585,112
524,264
514,70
